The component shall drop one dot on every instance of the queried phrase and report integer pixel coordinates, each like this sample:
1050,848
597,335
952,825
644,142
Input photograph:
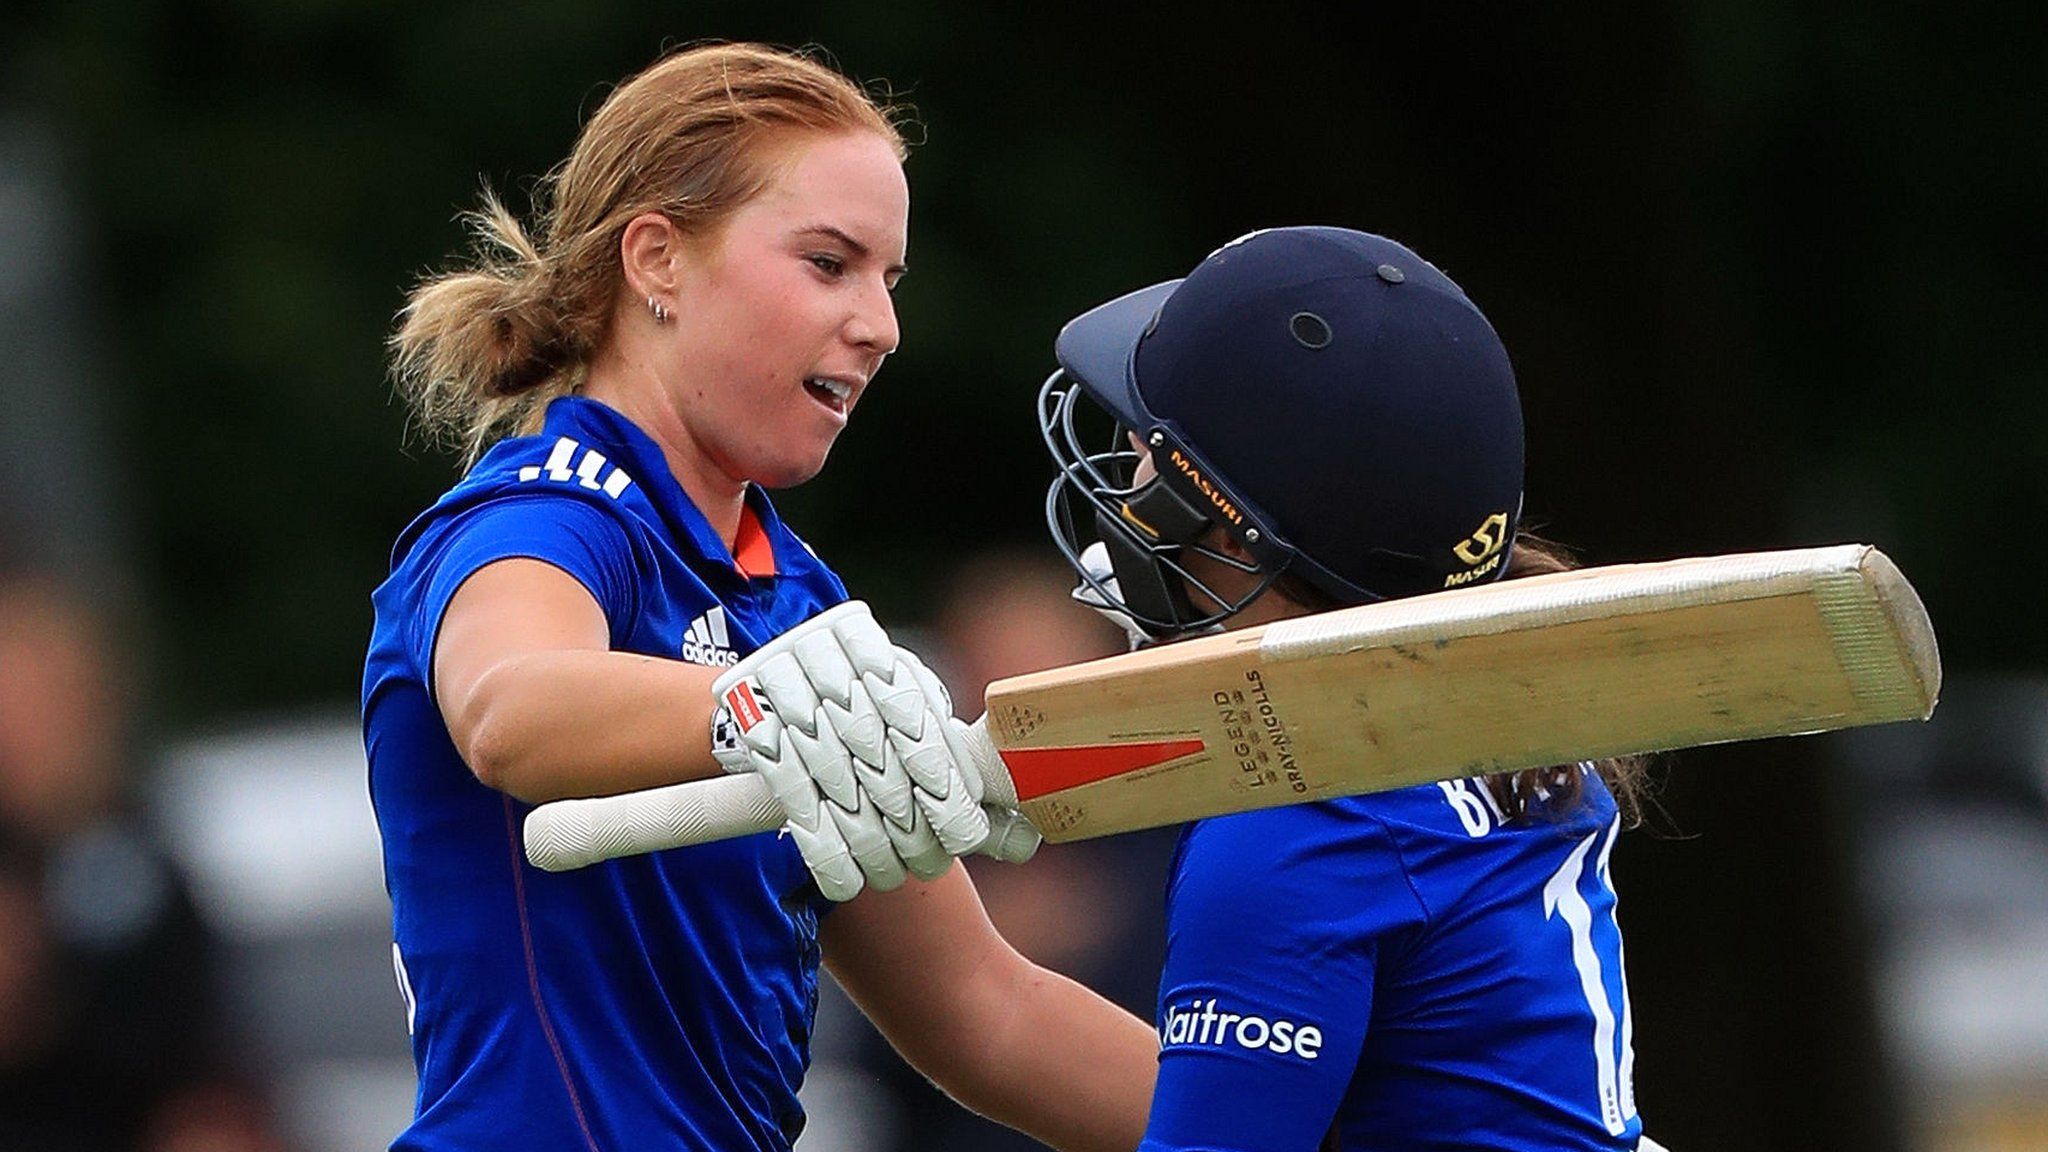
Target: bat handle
566,834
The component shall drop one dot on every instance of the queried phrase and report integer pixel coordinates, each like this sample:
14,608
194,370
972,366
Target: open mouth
834,394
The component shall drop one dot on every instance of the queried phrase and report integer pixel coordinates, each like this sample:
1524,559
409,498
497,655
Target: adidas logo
585,473
707,642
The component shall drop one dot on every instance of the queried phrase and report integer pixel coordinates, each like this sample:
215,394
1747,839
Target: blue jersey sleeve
592,546
1277,922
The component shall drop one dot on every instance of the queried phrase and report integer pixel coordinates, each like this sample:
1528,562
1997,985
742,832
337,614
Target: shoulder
550,466
1465,809
1410,852
501,511
532,484
1335,863
555,462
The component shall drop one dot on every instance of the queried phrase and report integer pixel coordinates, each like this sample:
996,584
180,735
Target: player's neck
620,384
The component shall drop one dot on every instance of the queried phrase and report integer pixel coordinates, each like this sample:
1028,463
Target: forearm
1007,1038
545,725
1059,1063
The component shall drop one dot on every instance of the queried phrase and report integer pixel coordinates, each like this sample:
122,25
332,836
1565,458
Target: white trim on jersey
1627,1074
404,986
585,473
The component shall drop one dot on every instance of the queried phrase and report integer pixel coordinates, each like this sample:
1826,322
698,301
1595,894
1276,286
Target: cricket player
1317,417
703,304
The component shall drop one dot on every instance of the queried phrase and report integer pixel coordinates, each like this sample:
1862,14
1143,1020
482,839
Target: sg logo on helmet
1486,541
1481,550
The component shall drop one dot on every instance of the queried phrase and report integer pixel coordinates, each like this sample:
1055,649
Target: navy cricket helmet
1328,398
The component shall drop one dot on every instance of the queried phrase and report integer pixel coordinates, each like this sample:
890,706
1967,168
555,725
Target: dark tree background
1771,275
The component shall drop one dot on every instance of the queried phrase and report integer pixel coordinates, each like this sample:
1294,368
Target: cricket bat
1516,674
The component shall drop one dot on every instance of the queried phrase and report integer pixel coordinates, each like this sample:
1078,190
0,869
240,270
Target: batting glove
851,734
1095,559
1011,838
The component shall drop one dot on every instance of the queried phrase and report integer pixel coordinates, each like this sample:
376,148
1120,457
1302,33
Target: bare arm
1004,1037
540,708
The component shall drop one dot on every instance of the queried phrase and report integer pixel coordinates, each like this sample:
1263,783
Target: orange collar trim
752,553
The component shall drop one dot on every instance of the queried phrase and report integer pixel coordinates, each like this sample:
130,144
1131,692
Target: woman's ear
651,252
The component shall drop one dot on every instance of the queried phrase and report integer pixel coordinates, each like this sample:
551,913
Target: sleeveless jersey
1397,971
659,1001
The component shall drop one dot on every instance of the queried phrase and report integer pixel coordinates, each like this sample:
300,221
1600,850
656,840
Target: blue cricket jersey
1399,971
659,1001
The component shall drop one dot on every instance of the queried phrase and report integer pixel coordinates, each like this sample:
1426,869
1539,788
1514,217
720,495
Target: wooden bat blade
1518,674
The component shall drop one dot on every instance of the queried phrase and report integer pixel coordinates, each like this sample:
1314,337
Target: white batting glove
1095,558
1010,838
855,746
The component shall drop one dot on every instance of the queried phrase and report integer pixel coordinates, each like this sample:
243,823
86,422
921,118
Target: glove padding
857,742
1095,562
1011,838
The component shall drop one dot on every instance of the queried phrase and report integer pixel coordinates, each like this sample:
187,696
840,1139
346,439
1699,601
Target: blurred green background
1771,275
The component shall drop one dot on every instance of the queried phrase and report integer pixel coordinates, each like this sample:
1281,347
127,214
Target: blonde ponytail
478,353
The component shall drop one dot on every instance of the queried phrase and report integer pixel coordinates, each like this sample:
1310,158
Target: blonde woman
703,303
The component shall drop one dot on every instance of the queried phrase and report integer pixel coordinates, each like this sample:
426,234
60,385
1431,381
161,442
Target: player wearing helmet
1318,417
